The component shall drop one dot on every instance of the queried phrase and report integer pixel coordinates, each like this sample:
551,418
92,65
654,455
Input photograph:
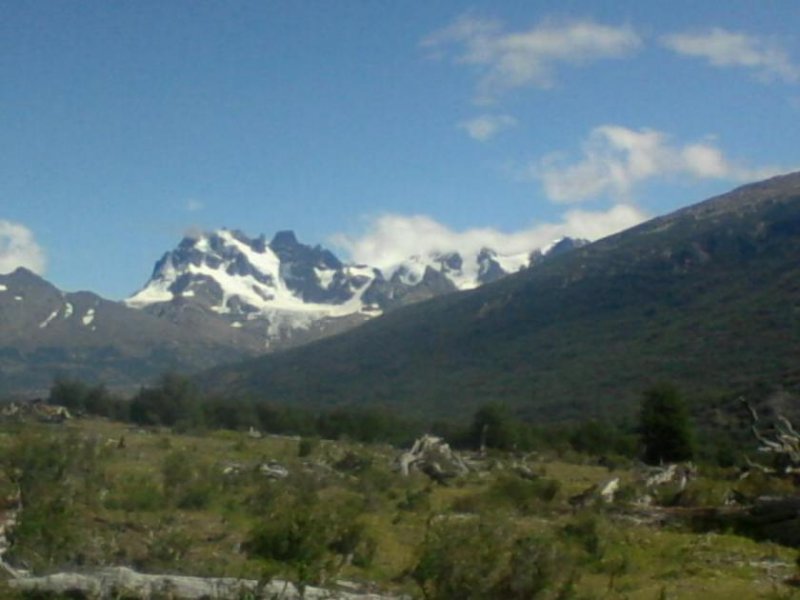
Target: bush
537,565
59,477
307,446
476,558
137,493
311,535
460,558
523,496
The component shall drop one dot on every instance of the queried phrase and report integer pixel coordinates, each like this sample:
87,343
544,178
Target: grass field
198,504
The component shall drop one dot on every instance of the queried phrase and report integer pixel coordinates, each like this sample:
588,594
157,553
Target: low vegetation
186,499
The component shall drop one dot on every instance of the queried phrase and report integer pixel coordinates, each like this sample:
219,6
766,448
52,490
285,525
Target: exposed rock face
119,582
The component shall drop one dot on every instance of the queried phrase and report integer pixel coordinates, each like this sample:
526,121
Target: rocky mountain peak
284,239
286,285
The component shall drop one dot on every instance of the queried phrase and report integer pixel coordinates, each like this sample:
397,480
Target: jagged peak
284,238
228,272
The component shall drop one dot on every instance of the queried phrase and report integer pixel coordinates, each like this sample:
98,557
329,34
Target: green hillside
708,298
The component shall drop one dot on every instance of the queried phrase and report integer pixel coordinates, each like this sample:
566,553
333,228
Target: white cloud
615,160
722,48
485,127
18,248
194,205
508,60
392,238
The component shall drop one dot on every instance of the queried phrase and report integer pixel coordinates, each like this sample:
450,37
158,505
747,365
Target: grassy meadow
96,492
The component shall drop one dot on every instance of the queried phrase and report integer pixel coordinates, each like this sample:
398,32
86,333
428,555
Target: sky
379,129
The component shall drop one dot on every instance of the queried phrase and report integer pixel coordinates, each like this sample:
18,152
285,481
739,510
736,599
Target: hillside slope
708,297
45,332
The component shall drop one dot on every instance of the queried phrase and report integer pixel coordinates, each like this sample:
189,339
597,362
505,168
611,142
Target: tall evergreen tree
664,426
494,425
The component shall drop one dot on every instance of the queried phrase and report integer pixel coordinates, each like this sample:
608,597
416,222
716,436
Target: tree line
662,432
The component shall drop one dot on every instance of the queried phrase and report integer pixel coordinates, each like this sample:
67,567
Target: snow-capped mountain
284,292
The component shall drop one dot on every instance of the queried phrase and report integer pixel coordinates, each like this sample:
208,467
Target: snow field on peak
511,263
156,290
325,277
273,300
248,286
412,270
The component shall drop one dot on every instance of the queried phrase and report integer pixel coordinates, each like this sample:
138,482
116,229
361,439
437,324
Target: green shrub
524,495
758,484
510,492
59,476
167,548
460,558
197,495
588,532
537,565
307,446
416,500
176,470
703,492
311,535
138,492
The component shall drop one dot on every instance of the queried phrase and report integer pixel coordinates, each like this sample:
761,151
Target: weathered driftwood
782,443
432,455
121,582
10,508
600,492
679,473
35,409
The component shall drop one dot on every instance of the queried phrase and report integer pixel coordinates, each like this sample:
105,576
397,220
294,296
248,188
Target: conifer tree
664,426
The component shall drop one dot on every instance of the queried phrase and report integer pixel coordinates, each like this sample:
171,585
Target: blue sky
376,128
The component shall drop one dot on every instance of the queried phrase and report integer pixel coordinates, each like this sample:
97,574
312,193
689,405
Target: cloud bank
616,160
485,127
391,238
508,60
18,248
722,48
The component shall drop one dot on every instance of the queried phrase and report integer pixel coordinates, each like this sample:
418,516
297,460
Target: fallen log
122,582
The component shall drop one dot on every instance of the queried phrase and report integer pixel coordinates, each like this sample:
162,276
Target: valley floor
231,504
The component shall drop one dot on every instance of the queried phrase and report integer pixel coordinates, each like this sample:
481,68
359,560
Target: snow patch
68,310
157,290
18,298
188,293
511,263
88,318
324,277
2,288
236,325
46,322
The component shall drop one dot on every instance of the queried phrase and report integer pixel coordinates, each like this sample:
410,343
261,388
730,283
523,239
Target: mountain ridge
216,298
285,293
705,296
